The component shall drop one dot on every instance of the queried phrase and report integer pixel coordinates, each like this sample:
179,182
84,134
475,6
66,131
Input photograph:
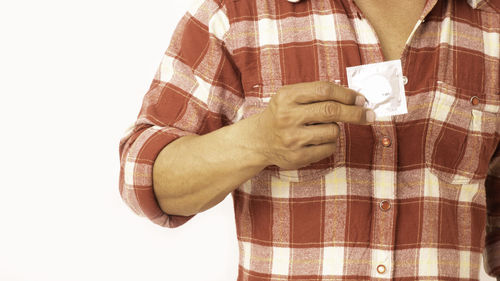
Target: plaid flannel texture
439,179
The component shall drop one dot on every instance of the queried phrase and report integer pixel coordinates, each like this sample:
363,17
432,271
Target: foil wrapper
382,85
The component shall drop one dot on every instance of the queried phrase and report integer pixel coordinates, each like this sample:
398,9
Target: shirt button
385,205
405,80
381,269
386,142
474,100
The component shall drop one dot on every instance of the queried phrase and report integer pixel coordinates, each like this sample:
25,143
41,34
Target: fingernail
360,100
370,116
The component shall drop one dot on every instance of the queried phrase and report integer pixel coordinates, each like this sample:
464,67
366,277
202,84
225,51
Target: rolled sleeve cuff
137,175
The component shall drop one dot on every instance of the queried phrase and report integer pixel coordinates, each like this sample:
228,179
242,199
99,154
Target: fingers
328,112
320,133
318,91
302,121
318,152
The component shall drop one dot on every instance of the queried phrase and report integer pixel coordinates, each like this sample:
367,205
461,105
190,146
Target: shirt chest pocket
257,98
462,133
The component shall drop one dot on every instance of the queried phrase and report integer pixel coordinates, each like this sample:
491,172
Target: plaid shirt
415,196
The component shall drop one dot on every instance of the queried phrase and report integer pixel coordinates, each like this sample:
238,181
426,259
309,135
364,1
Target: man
251,99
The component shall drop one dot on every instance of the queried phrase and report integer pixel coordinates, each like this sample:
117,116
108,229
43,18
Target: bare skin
393,22
194,173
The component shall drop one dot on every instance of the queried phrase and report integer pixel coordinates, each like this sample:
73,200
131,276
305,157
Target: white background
72,78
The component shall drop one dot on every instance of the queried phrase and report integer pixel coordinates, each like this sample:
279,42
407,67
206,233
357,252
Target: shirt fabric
416,194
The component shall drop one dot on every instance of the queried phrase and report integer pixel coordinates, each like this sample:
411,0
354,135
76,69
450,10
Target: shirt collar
475,4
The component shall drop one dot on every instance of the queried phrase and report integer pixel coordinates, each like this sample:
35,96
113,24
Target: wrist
247,137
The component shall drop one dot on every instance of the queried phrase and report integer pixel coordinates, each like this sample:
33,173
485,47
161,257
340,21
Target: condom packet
382,85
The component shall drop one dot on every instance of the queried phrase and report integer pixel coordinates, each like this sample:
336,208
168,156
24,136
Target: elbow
171,194
173,202
177,207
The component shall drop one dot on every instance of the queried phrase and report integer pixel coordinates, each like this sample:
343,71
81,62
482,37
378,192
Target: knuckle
276,99
331,109
323,87
308,139
289,140
274,105
286,94
283,118
282,95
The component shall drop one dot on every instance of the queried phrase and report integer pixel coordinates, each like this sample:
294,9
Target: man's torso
326,219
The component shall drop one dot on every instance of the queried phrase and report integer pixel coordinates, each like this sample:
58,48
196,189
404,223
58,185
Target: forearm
297,128
194,173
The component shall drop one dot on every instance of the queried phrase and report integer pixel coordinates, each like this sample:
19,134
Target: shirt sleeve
491,252
197,89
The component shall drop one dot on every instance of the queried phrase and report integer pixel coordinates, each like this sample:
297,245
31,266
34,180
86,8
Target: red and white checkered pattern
441,173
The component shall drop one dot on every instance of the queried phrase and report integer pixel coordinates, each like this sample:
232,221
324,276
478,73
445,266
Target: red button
474,100
385,205
386,142
381,269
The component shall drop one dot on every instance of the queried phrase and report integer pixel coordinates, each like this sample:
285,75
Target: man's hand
194,173
299,125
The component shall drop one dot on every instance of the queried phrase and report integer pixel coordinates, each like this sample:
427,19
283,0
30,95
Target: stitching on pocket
261,94
466,168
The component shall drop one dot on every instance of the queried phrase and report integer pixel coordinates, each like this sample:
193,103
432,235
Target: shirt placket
384,196
384,171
